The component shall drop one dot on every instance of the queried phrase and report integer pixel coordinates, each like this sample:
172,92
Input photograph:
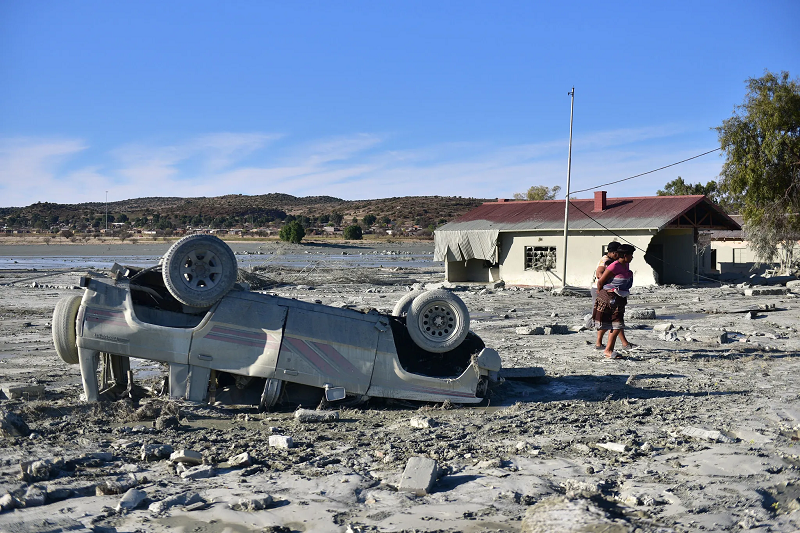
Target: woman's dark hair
613,246
625,249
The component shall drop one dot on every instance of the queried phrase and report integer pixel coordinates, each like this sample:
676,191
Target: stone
185,456
198,472
57,495
152,452
309,415
242,460
422,422
530,330
793,284
131,500
613,446
12,425
23,391
252,504
713,435
165,422
34,497
186,498
561,514
118,486
36,470
8,502
280,441
663,326
669,336
641,313
766,291
723,338
418,476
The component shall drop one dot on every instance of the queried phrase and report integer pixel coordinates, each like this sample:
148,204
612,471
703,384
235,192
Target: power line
648,172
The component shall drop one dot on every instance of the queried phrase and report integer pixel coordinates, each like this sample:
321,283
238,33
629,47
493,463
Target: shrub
292,232
352,233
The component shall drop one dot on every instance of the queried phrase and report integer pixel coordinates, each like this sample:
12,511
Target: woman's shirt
622,281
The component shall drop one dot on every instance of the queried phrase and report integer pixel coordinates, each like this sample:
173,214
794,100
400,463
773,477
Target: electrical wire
645,173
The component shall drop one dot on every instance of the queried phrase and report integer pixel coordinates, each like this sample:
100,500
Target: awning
461,245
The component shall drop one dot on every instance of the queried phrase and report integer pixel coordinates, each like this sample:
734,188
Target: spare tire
404,304
65,316
199,270
438,321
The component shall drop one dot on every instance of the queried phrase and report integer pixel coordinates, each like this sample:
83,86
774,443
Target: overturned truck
189,312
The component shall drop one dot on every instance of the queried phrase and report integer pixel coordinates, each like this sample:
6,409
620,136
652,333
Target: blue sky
364,100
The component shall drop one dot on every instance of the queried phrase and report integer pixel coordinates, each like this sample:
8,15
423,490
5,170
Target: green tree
353,233
761,173
538,192
678,187
369,220
337,219
292,232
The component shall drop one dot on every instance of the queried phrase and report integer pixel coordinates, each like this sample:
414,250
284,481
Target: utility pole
566,198
106,210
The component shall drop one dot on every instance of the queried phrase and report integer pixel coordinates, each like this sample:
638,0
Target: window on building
738,255
540,257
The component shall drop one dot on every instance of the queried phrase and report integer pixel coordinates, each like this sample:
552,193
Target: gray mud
687,434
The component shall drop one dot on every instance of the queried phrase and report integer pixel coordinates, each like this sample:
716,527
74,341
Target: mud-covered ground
688,434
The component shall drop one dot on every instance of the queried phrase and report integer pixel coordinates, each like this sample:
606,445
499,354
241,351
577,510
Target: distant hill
237,209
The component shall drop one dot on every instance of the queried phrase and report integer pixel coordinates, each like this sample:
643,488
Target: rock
57,495
663,326
422,422
12,425
187,498
165,422
198,472
640,314
714,436
8,502
418,476
565,516
252,504
280,441
36,470
766,291
308,415
118,486
190,457
613,446
131,500
152,452
34,497
723,338
242,460
16,391
669,336
530,330
556,329
793,284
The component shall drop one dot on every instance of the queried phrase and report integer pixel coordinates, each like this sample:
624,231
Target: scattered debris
418,476
308,415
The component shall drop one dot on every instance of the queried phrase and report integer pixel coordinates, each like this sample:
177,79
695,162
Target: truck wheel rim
437,321
201,270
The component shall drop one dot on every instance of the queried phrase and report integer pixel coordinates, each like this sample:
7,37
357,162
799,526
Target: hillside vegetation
260,211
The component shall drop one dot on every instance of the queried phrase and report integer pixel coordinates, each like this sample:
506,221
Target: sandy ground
682,435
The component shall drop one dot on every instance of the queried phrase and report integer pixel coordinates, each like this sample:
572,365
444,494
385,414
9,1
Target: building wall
672,256
470,270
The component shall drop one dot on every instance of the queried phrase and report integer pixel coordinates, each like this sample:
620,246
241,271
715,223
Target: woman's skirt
609,311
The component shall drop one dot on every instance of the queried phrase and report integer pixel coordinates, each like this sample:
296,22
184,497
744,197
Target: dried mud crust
683,435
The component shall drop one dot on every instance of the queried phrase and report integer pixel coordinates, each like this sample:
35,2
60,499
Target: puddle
682,316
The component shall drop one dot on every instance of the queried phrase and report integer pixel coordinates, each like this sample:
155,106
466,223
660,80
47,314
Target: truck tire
199,270
64,323
438,321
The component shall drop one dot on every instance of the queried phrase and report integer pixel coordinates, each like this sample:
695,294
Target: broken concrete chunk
12,425
669,336
308,415
118,486
252,504
36,470
793,284
561,514
34,497
713,435
530,330
766,291
663,326
641,314
723,338
198,472
422,422
186,456
418,476
57,495
280,441
613,446
8,502
243,459
152,452
131,500
16,391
